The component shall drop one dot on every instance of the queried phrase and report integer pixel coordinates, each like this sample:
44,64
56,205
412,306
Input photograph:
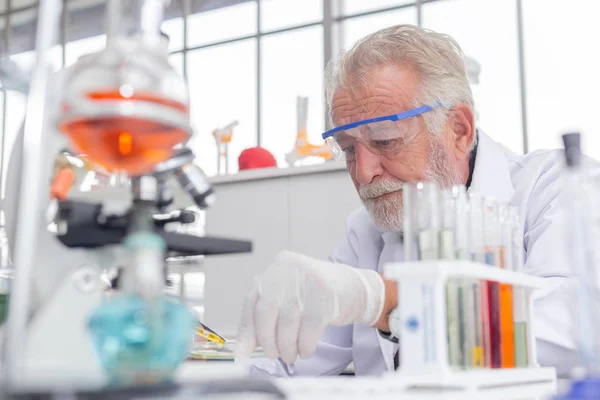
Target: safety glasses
386,135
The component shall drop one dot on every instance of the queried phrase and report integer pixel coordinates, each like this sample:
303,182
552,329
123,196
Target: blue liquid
140,341
585,389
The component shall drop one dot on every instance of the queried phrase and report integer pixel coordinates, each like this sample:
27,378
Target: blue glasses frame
393,117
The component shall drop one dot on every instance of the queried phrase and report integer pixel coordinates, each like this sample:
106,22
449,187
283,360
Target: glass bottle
126,107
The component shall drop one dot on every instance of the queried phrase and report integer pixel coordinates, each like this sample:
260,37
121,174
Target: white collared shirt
531,182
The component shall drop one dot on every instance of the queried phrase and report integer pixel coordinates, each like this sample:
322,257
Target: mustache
379,188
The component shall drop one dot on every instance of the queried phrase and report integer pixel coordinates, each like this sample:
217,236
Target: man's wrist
390,302
374,297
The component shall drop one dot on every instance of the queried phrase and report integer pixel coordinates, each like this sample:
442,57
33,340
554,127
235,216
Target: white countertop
269,173
387,387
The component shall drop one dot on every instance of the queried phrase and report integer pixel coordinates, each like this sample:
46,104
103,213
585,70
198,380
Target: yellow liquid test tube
479,289
469,310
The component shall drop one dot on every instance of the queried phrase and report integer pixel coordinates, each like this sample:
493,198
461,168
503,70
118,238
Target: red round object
256,157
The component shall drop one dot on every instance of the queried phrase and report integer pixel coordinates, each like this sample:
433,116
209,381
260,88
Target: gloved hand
297,297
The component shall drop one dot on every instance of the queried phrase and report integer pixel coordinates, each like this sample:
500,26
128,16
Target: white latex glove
297,297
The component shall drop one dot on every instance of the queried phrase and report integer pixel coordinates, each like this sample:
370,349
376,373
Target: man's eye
348,149
385,144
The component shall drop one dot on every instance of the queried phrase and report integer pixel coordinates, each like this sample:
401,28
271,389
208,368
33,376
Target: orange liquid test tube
507,322
507,326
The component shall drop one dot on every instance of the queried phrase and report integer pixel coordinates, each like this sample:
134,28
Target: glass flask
140,341
140,335
126,107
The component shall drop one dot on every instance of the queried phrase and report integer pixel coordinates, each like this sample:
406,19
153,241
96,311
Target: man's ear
463,126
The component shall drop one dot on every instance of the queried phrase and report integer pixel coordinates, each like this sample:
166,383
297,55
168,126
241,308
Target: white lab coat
531,182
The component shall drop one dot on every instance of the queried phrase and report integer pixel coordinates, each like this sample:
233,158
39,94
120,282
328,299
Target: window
349,7
354,29
22,40
490,39
288,72
176,61
74,50
561,69
15,111
222,82
173,25
23,3
27,60
84,19
16,103
174,29
222,24
6,149
279,14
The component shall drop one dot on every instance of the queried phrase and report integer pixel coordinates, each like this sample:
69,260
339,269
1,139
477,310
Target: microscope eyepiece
194,181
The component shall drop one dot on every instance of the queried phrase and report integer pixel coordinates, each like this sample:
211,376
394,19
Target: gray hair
436,57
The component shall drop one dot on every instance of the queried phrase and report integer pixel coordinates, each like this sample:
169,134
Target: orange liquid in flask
125,143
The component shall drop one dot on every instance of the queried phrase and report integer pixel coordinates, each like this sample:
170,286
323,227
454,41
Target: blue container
585,389
141,341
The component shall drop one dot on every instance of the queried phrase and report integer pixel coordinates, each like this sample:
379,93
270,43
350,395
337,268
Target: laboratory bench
384,388
197,379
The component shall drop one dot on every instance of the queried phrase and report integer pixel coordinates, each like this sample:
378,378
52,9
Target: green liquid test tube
466,317
482,357
520,302
521,344
453,297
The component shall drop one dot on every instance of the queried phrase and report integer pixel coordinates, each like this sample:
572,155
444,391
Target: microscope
127,110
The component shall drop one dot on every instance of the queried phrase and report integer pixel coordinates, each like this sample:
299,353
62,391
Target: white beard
387,212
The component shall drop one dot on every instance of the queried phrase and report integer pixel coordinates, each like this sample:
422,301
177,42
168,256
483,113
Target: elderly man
407,90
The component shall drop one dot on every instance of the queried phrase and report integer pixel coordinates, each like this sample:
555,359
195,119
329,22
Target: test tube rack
423,327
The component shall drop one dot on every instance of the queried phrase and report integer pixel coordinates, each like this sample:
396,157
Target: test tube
520,303
409,191
507,325
428,221
448,252
469,316
447,233
492,258
479,289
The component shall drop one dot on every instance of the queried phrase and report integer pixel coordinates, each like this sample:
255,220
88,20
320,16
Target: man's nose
368,165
